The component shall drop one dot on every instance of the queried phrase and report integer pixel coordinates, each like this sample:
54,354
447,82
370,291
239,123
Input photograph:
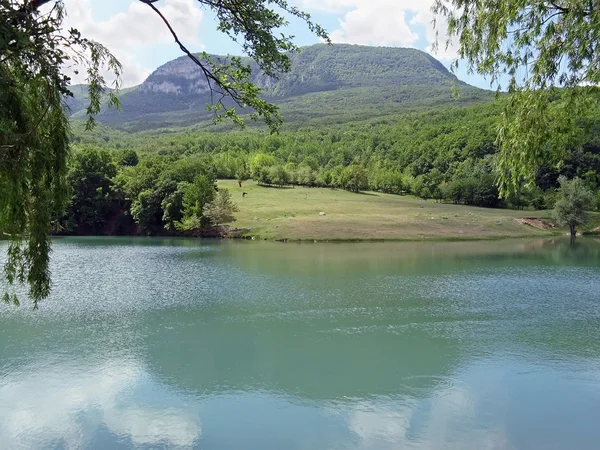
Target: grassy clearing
293,213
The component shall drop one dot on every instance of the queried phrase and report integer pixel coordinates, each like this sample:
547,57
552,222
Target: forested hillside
442,154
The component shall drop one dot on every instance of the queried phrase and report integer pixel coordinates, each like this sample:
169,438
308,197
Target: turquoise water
151,343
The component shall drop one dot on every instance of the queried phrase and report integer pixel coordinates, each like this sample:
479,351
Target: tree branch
34,5
210,77
562,9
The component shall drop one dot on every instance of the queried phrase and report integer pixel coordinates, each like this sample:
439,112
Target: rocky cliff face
180,77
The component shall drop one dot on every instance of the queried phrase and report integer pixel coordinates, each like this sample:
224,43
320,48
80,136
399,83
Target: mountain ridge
316,68
362,80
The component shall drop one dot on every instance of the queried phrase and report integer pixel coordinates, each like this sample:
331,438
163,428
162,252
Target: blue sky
138,38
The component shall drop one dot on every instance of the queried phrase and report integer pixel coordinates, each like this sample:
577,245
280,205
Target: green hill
328,68
327,84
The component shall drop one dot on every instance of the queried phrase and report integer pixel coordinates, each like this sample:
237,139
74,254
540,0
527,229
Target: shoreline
335,240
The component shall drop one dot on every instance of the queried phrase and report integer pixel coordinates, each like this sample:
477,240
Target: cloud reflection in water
76,406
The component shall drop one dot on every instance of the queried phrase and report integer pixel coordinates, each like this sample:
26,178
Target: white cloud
136,28
375,23
138,25
425,17
384,23
333,6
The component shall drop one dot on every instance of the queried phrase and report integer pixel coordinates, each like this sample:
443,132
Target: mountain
326,84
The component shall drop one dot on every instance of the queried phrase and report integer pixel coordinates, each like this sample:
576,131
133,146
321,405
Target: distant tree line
161,183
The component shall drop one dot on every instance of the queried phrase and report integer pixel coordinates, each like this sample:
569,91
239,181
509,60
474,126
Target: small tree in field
221,209
242,175
574,197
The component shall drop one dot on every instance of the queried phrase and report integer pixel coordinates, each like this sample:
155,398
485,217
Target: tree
34,129
305,176
538,46
354,178
172,206
242,175
153,208
90,179
260,164
388,181
574,198
196,196
486,192
278,176
129,157
221,209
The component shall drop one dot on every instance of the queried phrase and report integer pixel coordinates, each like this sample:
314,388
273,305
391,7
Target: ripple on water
139,341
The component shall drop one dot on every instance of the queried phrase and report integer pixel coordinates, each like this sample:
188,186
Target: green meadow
294,213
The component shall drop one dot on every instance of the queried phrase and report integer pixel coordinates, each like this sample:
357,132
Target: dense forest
160,182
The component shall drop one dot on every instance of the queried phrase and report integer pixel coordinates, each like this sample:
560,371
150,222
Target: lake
183,343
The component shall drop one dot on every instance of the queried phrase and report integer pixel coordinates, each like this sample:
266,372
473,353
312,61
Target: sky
141,42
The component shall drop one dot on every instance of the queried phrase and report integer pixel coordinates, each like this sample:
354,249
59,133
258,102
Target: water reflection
68,406
243,345
120,404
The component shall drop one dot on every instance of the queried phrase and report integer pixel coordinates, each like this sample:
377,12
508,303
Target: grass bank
293,214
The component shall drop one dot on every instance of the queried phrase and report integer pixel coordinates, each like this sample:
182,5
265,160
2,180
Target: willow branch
210,77
34,5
